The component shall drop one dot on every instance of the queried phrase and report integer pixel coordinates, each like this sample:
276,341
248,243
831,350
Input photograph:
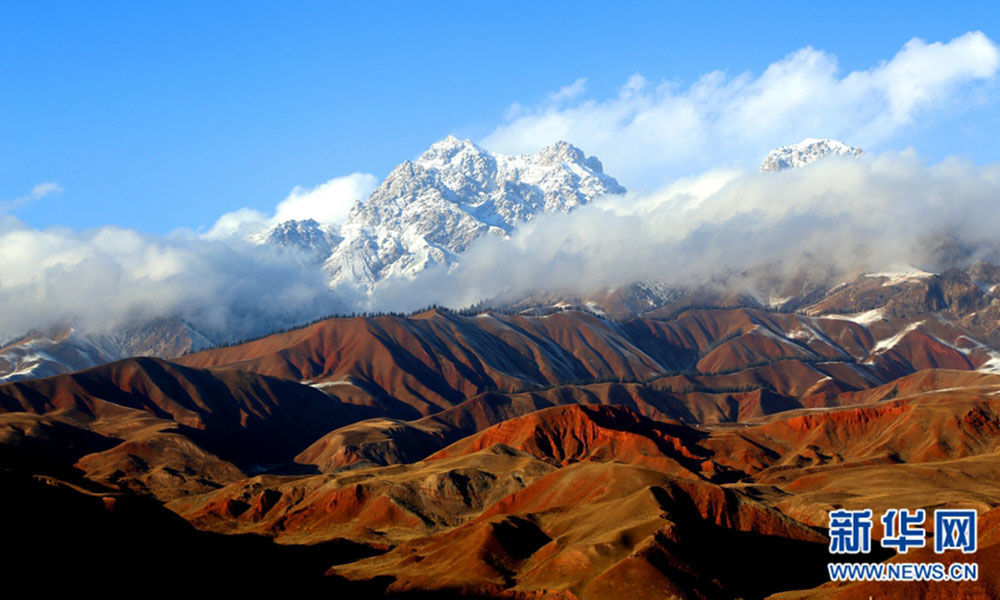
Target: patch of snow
889,342
326,384
817,330
803,334
780,339
865,318
777,301
992,365
901,275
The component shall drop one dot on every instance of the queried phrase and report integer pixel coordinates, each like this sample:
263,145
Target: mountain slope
566,434
160,428
570,501
62,349
409,367
419,365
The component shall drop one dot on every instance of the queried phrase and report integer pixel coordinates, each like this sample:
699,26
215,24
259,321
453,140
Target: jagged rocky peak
429,210
807,151
564,152
305,236
450,150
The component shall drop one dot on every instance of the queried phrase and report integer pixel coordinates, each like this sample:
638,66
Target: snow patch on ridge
865,318
888,343
902,275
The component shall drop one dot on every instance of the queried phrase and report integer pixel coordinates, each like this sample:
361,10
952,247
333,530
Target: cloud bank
651,133
103,278
840,215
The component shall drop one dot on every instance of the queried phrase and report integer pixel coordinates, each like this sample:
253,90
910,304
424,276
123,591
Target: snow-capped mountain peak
449,151
564,152
428,211
807,151
306,237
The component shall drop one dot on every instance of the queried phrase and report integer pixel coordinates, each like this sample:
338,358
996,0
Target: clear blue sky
163,115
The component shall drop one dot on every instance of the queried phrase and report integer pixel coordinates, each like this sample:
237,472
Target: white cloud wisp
327,203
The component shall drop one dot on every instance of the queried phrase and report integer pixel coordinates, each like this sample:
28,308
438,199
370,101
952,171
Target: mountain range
426,213
671,442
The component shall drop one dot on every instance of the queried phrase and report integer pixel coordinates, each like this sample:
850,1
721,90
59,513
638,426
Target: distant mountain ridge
63,349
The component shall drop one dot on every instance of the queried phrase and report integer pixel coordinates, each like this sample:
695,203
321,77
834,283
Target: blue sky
167,115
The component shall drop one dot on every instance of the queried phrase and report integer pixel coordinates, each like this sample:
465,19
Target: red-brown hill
163,428
417,366
566,434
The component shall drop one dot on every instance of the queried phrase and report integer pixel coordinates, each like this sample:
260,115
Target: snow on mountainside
311,240
428,211
807,151
42,355
61,349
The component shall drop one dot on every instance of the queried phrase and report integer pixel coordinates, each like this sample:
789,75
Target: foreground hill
155,427
510,456
71,540
576,502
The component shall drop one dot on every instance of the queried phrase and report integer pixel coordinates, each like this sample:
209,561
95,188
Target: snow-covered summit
428,211
306,237
807,151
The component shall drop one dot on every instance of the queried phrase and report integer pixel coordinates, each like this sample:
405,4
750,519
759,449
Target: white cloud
327,203
102,278
651,133
44,189
37,193
571,91
237,223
